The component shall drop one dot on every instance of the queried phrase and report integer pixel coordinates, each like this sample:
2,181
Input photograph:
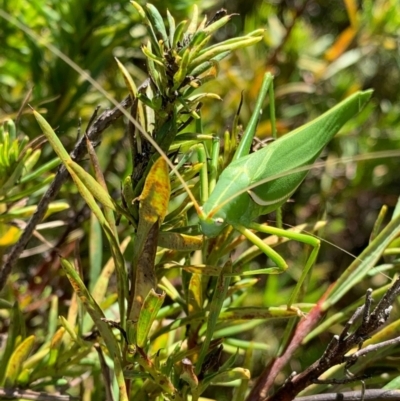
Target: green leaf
172,27
148,314
222,47
157,22
217,301
16,332
92,308
18,357
178,34
231,375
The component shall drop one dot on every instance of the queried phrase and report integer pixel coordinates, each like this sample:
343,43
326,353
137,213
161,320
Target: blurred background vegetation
319,51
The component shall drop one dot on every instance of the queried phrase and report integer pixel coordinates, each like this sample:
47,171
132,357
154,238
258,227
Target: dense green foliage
205,320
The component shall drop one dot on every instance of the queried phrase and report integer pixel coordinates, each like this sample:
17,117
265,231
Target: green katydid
247,189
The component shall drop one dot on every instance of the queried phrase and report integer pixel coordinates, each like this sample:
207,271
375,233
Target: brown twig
105,371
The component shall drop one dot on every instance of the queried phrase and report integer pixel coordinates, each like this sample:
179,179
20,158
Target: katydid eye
219,221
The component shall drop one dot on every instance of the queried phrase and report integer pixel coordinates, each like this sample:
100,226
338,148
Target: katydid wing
298,148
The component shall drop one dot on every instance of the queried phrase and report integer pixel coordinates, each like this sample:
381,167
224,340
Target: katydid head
211,224
227,204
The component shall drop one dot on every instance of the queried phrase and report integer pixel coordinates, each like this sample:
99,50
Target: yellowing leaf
341,44
155,196
9,235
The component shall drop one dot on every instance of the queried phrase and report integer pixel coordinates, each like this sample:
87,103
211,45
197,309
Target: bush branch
337,349
94,132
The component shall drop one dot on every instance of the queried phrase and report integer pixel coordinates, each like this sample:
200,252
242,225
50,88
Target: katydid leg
245,144
214,163
307,239
202,157
208,173
281,264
